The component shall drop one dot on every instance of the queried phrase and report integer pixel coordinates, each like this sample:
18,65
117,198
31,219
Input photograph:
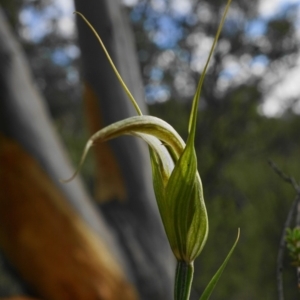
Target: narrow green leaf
210,287
194,111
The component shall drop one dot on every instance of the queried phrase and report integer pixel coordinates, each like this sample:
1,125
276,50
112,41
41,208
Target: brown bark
53,249
109,179
48,230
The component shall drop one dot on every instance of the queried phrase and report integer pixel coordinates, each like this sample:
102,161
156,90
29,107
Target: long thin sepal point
88,145
124,86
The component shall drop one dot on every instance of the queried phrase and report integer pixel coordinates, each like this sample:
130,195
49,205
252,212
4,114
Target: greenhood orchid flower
177,184
176,181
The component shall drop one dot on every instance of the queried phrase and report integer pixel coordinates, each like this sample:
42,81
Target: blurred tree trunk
125,189
50,232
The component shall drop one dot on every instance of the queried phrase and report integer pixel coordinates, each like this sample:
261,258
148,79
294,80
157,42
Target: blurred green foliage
293,244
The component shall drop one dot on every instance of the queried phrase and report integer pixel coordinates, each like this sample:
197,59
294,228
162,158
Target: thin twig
284,176
287,224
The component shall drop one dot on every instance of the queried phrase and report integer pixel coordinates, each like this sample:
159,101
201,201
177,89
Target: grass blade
210,287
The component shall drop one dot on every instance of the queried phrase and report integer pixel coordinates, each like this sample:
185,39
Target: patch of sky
296,107
157,93
191,19
256,28
288,8
260,59
230,72
232,69
164,28
149,24
168,32
137,11
73,51
259,65
64,56
60,57
156,74
181,8
158,5
72,75
183,55
66,7
231,26
271,8
130,2
37,24
165,59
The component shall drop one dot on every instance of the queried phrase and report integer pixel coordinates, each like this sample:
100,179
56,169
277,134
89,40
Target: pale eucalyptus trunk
25,122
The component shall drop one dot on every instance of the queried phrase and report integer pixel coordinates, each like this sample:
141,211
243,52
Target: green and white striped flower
176,181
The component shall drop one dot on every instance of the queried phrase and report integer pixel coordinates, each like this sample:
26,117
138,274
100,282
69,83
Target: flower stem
183,280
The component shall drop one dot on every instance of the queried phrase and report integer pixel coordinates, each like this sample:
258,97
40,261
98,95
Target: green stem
183,280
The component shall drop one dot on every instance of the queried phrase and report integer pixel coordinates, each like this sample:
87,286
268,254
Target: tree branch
287,224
